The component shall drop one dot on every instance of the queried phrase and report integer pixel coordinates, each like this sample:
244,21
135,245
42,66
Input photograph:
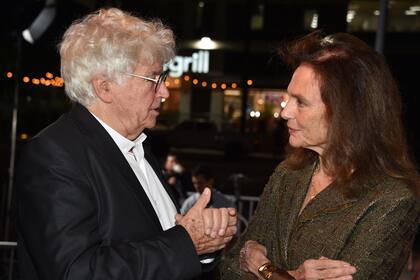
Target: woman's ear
102,89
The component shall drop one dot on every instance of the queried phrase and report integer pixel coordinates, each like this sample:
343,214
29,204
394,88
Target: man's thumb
178,218
203,200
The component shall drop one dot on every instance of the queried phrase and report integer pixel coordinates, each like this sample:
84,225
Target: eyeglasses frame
161,79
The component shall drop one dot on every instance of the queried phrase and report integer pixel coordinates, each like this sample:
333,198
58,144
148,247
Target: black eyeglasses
158,81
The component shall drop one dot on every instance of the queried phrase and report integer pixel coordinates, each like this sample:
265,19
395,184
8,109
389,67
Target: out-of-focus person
203,177
177,177
343,204
91,199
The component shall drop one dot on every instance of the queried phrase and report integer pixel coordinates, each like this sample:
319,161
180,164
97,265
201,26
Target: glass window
403,16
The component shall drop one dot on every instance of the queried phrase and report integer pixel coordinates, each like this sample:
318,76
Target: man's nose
163,91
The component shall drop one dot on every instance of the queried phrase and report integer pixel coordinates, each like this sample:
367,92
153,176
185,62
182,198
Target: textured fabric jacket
83,215
373,232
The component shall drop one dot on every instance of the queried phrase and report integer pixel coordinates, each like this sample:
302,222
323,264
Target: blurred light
350,15
25,79
252,114
186,78
276,115
163,100
204,84
47,83
260,101
42,81
206,43
283,104
249,82
314,22
257,114
35,81
234,85
49,75
376,12
9,75
176,81
415,8
410,13
41,22
23,136
213,85
230,92
195,81
201,4
167,84
223,86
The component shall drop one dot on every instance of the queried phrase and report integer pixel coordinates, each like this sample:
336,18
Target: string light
50,80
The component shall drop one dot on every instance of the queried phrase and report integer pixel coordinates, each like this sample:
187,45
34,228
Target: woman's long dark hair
366,136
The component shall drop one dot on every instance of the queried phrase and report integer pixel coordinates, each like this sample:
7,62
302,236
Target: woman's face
305,112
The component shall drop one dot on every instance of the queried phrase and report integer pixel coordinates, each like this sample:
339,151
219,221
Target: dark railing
8,260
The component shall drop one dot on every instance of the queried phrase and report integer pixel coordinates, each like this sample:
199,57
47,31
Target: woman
343,203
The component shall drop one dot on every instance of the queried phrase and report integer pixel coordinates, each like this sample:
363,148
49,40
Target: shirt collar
124,144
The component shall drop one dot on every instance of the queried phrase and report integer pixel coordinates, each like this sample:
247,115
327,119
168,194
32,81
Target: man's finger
208,221
232,211
178,218
223,221
203,200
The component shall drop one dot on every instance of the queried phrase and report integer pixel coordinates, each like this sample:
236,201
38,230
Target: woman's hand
252,256
324,268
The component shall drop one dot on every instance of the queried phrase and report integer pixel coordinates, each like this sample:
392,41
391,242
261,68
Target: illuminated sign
198,62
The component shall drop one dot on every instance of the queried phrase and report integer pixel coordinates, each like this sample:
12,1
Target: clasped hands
253,255
209,228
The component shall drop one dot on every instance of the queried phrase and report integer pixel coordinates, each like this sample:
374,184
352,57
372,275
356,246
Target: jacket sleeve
259,229
382,239
59,233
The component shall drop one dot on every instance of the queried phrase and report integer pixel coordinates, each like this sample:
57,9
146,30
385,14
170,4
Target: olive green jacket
373,232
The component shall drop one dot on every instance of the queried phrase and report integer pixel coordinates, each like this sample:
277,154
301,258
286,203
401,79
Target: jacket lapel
331,200
104,146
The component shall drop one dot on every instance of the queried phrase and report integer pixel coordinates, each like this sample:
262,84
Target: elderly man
92,203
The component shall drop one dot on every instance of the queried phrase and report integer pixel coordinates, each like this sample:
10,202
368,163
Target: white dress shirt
134,153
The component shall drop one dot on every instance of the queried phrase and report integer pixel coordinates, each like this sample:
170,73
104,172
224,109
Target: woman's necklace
312,191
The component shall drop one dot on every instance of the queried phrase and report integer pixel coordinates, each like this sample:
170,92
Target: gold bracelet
266,270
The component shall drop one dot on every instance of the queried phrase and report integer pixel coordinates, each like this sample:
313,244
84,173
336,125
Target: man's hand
209,228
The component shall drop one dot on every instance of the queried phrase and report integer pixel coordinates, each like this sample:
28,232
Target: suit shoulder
61,131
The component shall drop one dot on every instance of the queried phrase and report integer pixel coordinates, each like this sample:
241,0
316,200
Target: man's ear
102,88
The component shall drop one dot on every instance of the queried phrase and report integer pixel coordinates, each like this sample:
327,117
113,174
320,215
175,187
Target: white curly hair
110,42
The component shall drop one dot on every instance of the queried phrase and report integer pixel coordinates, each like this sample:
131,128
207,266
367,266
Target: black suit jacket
82,213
